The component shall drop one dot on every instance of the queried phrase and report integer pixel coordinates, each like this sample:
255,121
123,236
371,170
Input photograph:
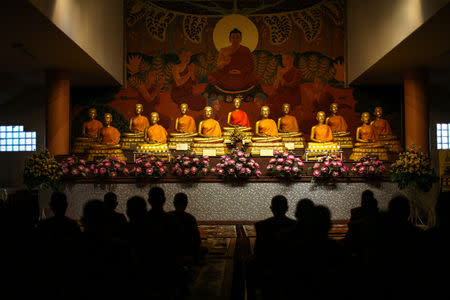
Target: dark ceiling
244,7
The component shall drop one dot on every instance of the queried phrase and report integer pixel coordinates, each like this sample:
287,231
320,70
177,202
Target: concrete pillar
416,109
58,110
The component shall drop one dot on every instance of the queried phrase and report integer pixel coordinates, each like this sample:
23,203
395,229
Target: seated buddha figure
383,129
321,137
288,128
237,120
107,145
339,127
367,141
89,133
138,123
210,135
185,128
155,133
266,134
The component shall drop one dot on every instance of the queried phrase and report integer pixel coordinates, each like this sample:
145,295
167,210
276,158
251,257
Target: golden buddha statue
288,129
322,140
210,136
185,128
339,127
237,120
367,142
266,134
107,145
155,137
383,129
89,133
138,123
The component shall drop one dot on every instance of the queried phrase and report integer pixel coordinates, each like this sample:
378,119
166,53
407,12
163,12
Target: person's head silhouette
156,198
304,210
58,204
279,205
399,209
368,201
136,208
110,200
180,202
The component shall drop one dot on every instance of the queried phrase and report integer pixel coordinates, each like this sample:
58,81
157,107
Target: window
443,136
13,138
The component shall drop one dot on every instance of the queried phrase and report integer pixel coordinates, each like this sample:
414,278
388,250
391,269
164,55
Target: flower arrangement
191,165
413,168
237,140
110,167
285,165
149,166
237,165
368,166
328,168
74,166
42,171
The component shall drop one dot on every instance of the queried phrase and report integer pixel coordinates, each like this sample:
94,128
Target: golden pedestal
316,150
179,141
298,142
209,148
344,140
155,149
101,151
130,141
260,147
82,144
372,149
391,143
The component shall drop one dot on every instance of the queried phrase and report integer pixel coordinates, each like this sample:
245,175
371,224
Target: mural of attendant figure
321,97
236,68
287,84
184,81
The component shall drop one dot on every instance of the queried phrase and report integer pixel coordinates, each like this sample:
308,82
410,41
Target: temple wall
217,201
95,26
375,27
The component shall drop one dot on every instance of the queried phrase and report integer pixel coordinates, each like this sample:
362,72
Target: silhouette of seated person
271,240
236,67
114,221
59,238
304,215
183,228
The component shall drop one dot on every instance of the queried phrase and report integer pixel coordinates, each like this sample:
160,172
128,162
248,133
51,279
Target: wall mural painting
264,58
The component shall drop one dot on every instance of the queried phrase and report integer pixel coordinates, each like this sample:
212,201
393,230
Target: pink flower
316,166
205,171
240,153
258,173
231,171
324,169
372,169
64,165
280,160
196,160
82,161
122,162
159,163
361,170
279,168
117,166
138,161
179,172
194,170
285,154
335,173
269,167
220,171
162,170
186,158
193,153
344,169
272,160
102,171
238,166
74,172
316,173
65,171
95,171
256,165
113,174
291,157
213,170
326,163
287,169
205,157
276,152
242,171
125,171
242,159
289,162
339,164
231,162
92,167
205,162
295,169
138,170
248,171
300,163
107,164
153,158
186,163
186,171
149,171
148,164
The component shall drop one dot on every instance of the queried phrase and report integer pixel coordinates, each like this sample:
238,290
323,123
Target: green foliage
42,171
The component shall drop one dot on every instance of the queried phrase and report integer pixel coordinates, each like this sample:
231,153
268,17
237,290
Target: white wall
375,27
28,109
94,25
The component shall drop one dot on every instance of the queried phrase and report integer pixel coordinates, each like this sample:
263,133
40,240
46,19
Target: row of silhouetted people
383,255
150,253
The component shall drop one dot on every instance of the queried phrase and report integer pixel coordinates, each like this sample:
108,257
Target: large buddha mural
182,53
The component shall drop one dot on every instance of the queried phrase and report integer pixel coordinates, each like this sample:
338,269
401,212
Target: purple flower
316,173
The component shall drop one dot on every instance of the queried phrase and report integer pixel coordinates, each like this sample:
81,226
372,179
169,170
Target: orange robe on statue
187,124
337,123
211,128
323,133
157,133
241,60
139,123
368,132
240,118
92,127
382,127
288,124
268,127
109,135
